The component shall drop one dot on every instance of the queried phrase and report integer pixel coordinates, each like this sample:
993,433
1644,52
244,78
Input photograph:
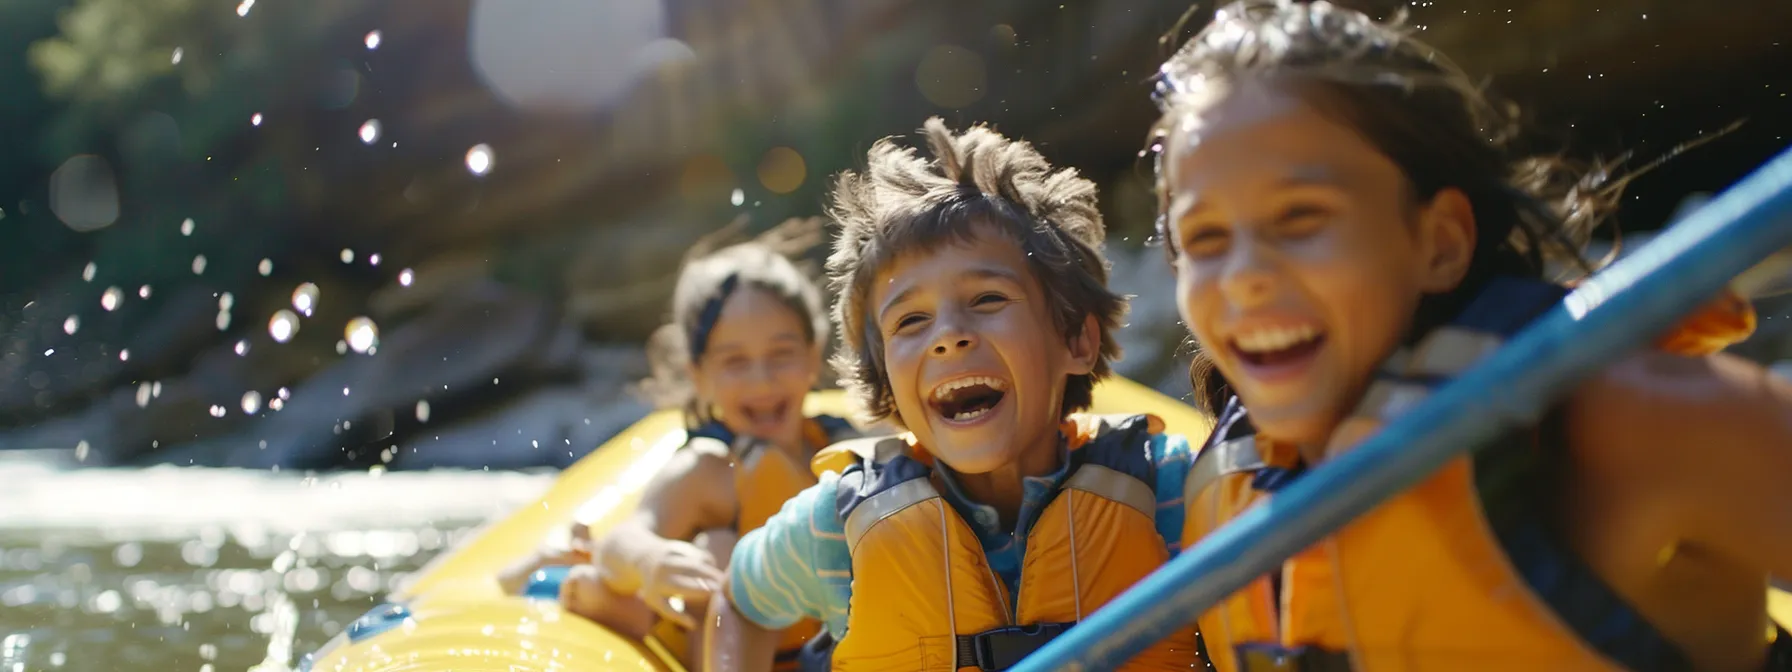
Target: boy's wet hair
708,278
903,203
1414,106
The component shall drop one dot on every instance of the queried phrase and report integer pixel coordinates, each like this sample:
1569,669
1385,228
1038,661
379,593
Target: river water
214,569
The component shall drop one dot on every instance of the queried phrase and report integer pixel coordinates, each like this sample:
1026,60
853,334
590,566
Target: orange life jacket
923,594
1459,573
763,481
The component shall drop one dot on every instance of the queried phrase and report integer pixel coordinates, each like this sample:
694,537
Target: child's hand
681,572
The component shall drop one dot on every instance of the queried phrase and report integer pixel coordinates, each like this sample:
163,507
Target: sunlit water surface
214,569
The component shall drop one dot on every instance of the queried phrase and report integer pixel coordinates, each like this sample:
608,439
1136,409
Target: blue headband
706,319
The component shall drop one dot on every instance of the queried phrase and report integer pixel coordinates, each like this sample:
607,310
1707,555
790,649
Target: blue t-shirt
798,565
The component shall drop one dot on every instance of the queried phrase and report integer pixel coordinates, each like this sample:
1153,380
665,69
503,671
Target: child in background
1349,231
971,294
742,352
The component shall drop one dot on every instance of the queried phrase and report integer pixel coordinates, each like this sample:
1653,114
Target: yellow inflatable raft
454,616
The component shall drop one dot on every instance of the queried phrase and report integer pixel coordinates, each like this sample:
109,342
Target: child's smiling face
976,364
1301,254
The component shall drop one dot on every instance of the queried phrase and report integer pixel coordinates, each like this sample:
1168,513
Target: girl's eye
909,321
1301,220
1206,242
988,299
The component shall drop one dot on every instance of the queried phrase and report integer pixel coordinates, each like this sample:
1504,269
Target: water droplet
345,391
223,321
243,9
226,301
372,40
737,197
49,352
242,348
304,298
361,334
404,277
422,411
276,404
178,53
87,273
284,393
373,259
283,326
186,227
479,159
110,298
370,131
143,292
251,402
155,389
199,265
347,256
143,395
266,267
217,411
124,355
341,347
255,119
81,450
71,325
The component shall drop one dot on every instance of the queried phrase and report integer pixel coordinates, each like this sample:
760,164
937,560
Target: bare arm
732,642
694,492
1711,437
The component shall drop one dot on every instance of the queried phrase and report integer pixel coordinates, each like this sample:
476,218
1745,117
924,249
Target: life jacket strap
1002,648
1275,658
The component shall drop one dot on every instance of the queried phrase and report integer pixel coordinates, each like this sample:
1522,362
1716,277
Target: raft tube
453,615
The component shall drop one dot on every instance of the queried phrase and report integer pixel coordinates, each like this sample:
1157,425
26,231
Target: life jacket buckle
1002,648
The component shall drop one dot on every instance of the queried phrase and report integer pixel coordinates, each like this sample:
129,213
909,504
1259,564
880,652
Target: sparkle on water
276,404
361,334
199,265
251,402
109,299
304,298
255,119
87,273
372,40
370,131
373,259
283,393
186,227
226,301
242,348
217,411
404,277
479,159
71,325
347,256
223,321
143,292
265,268
283,326
243,9
124,355
423,411
178,53
738,197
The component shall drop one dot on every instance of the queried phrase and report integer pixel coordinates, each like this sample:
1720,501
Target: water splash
479,159
370,131
283,326
304,298
361,334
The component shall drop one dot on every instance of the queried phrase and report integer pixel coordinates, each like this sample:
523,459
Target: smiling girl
1349,231
743,350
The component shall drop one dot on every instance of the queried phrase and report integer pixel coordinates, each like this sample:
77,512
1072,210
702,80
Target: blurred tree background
470,211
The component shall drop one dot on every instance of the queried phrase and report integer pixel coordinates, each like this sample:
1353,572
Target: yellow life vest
923,594
763,481
1459,573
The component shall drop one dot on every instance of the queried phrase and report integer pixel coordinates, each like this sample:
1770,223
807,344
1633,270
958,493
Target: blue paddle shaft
1611,315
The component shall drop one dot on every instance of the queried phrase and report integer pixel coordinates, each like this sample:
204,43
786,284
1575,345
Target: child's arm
774,580
733,641
1710,439
646,554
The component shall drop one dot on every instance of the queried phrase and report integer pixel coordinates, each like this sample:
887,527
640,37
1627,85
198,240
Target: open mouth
766,414
967,399
1278,346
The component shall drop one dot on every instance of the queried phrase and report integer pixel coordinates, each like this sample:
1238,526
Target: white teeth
961,383
1275,339
970,415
